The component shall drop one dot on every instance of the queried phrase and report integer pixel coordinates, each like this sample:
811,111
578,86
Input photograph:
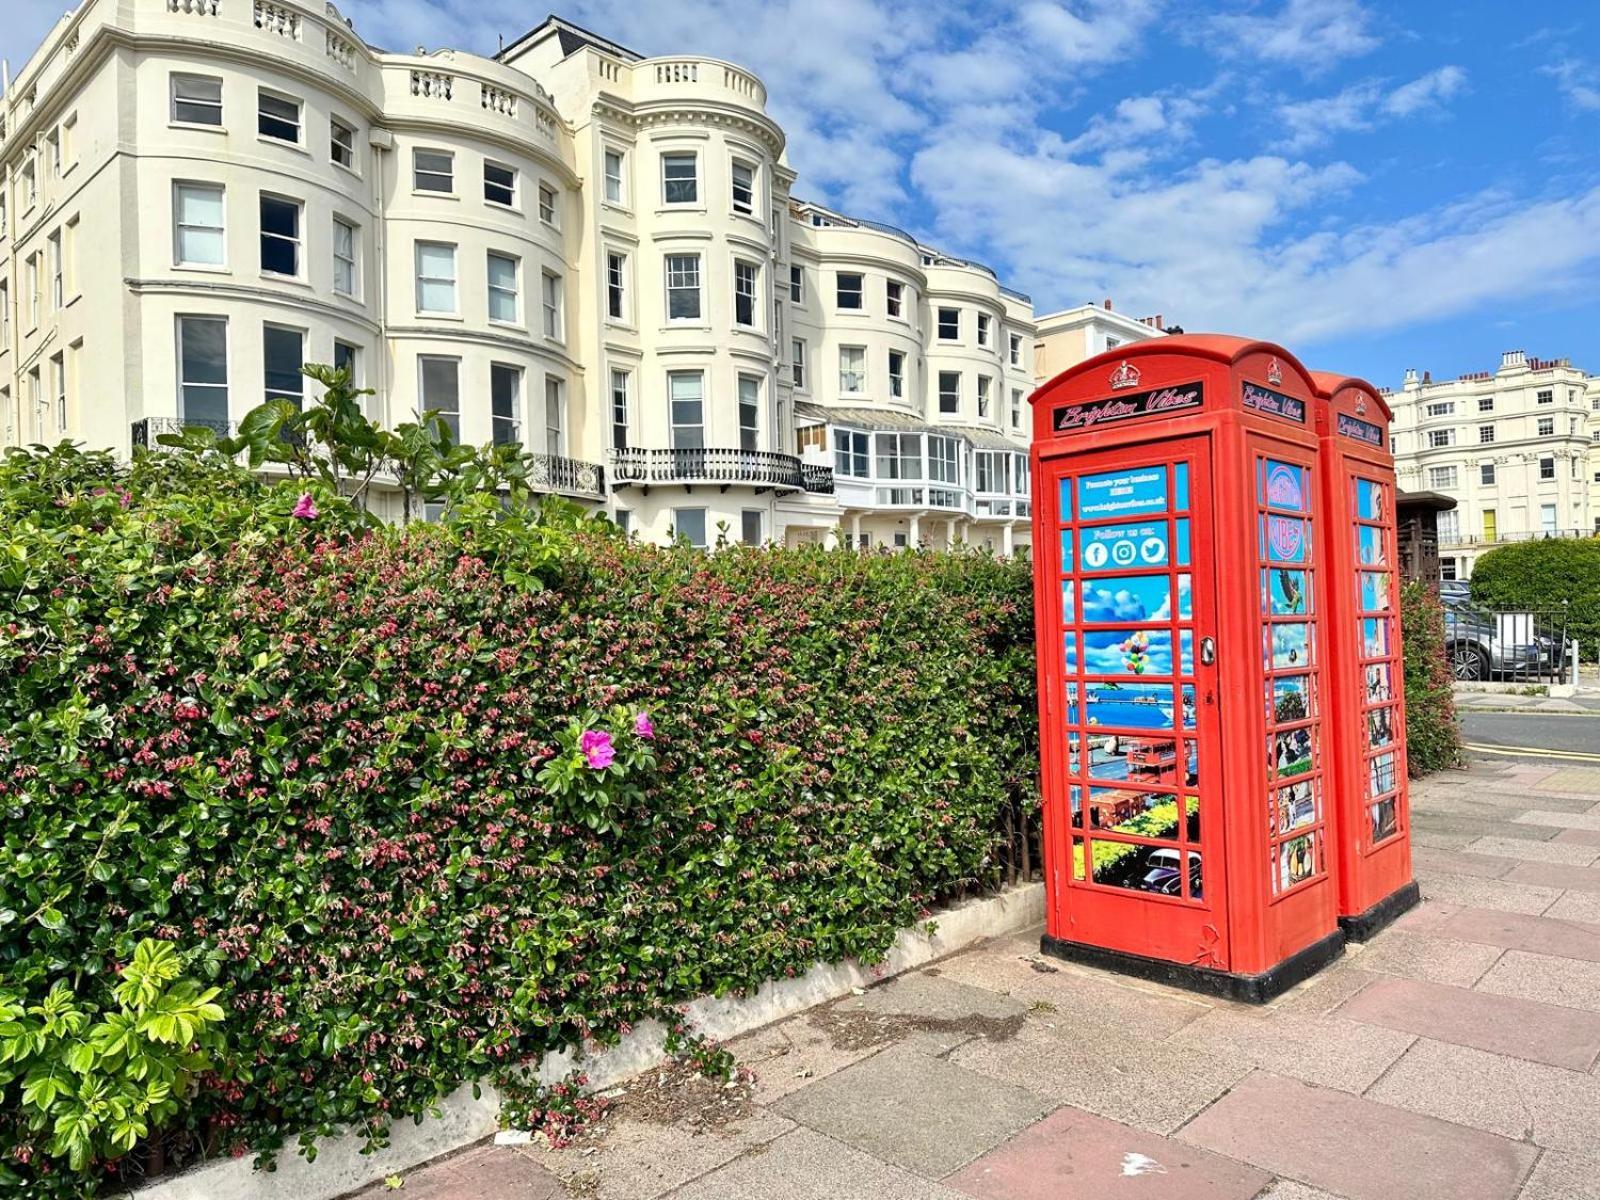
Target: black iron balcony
761,469
817,479
147,429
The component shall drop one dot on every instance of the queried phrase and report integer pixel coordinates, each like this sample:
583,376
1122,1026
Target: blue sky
1376,184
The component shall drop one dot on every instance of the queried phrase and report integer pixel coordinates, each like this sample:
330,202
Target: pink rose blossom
597,748
643,727
306,508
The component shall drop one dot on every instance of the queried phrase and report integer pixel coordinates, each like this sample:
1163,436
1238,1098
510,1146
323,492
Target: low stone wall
340,1167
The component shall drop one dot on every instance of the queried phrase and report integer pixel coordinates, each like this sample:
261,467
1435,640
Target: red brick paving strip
1356,1148
1075,1155
1546,1033
1517,931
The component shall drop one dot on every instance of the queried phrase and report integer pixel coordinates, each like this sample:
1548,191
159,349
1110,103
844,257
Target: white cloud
1427,91
1578,82
1362,106
1309,36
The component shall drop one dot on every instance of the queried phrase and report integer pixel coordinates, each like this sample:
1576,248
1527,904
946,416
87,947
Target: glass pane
1130,705
1291,752
1378,683
1369,500
1128,652
1074,714
1180,490
1385,819
1290,698
1285,486
435,295
1380,727
1294,807
1374,591
1196,879
1188,706
1066,550
205,357
1371,546
1185,599
1077,858
1070,651
1131,598
1068,602
1289,646
1380,775
1180,541
1186,652
1118,547
1286,539
1140,868
1286,592
1066,499
1075,803
1141,761
1297,861
1375,637
1122,493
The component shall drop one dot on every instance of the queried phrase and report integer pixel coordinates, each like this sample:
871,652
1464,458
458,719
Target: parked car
1163,874
1475,647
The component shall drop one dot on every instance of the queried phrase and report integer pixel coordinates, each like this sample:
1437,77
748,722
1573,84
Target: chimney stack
1108,303
1512,359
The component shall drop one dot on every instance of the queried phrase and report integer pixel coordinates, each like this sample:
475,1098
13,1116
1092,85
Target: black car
1476,648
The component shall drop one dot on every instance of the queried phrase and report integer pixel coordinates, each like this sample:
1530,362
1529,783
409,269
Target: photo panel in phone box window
1126,599
1282,485
1288,646
1138,706
1134,547
1127,652
1374,591
1284,592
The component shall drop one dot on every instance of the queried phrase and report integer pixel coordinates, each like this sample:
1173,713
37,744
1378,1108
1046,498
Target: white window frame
748,399
621,407
797,284
701,533
447,172
179,226
692,179
673,423
1014,349
943,375
616,285
894,299
513,188
616,186
746,516
452,416
58,388
336,124
985,395
859,291
299,122
939,323
852,449
346,267
453,279
985,330
797,364
852,370
555,416
298,241
897,378
686,269
298,391
500,291
746,207
506,430
552,295
745,271
549,205
174,79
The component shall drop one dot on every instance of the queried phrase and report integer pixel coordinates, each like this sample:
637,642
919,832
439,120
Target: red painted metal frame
1370,871
1241,927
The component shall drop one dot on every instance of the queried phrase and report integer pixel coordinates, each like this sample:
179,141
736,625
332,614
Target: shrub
342,770
1433,739
1546,574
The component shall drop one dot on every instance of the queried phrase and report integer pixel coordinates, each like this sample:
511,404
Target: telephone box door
1133,736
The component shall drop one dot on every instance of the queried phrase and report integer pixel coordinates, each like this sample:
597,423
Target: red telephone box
1366,684
1181,642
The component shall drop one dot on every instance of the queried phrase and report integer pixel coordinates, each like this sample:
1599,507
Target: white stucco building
1074,335
570,246
1518,448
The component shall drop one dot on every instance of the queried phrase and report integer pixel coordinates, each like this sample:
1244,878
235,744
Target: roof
1434,500
1221,347
1328,383
572,38
877,418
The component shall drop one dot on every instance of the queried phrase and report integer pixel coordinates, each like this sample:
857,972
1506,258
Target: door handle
1208,651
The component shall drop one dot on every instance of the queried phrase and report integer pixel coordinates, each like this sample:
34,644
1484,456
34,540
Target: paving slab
934,997
1475,827
1426,915
1561,1176
1076,1155
1566,981
791,1054
1466,892
1355,1147
806,1165
1545,1033
1512,1097
1582,908
1517,931
1288,1189
641,1161
1327,989
920,1113
1075,995
1580,837
1126,1077
1414,954
473,1174
1547,851
1561,820
1557,875
1329,1051
1428,860
1581,780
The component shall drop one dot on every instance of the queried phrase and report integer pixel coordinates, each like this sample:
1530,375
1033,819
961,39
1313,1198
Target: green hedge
1542,575
326,762
1433,739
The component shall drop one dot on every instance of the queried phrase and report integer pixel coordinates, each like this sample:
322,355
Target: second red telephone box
1366,686
1181,642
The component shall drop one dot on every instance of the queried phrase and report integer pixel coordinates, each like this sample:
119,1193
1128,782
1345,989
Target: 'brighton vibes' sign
1071,417
1274,404
1362,431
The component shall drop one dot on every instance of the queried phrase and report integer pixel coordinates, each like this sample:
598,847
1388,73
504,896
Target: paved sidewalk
1452,1058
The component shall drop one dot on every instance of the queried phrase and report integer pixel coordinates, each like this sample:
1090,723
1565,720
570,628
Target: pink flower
643,727
597,748
306,508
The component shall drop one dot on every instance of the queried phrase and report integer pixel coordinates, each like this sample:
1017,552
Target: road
1541,734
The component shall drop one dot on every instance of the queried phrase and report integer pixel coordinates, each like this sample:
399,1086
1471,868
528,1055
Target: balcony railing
817,479
718,465
571,476
146,430
1451,538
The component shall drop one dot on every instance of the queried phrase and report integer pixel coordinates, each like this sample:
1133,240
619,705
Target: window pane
280,236
499,184
690,523
282,352
678,176
434,171
440,390
197,100
278,118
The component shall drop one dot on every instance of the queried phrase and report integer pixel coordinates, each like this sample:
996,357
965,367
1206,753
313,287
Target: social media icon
1123,552
1153,550
1094,554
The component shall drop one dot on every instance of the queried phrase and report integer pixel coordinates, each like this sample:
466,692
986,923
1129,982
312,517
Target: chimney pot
1108,303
